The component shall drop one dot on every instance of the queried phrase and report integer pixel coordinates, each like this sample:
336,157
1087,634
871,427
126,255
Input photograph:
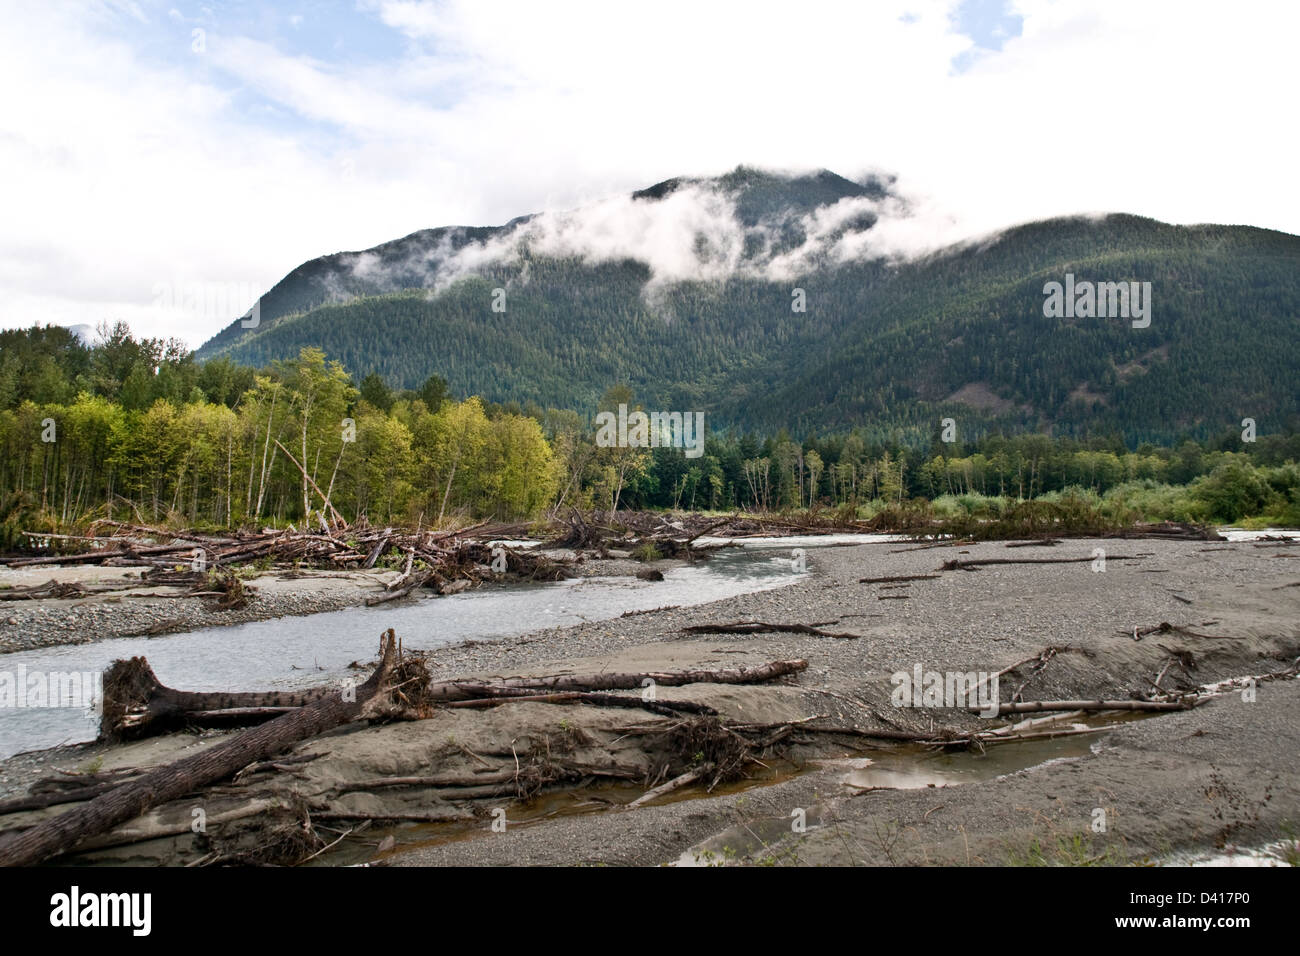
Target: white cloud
124,171
695,233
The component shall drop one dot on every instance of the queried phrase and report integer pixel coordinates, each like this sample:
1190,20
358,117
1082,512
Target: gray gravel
27,625
1164,775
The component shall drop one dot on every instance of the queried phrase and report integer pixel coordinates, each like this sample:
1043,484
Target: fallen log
406,572
70,829
470,689
676,783
898,577
416,582
137,704
762,627
1164,627
91,557
1034,706
946,543
39,801
665,707
710,527
50,589
959,565
463,785
376,552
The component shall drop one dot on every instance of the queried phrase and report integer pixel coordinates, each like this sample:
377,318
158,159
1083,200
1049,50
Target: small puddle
916,769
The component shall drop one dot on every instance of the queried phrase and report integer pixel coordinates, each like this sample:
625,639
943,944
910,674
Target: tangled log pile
400,688
640,532
360,546
672,535
204,565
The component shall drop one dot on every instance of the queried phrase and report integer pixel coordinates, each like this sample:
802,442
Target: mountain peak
750,221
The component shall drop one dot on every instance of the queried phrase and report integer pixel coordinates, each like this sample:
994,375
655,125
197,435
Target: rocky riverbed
1165,787
150,610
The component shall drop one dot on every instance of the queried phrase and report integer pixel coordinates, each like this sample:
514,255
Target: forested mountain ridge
884,343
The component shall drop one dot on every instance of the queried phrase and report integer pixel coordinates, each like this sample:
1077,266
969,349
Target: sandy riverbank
1183,782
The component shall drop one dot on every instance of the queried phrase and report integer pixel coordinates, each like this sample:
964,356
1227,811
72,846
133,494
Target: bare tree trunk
447,493
307,479
329,492
266,445
230,449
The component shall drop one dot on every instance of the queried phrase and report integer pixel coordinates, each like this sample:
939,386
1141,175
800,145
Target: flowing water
314,649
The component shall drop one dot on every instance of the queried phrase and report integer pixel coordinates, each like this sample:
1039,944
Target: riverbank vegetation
138,430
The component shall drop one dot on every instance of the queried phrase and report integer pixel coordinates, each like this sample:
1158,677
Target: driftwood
136,704
50,589
629,530
948,543
448,553
1034,706
96,557
377,551
1164,627
676,783
53,798
665,707
398,687
959,565
1233,683
70,829
414,582
471,786
898,577
762,627
451,690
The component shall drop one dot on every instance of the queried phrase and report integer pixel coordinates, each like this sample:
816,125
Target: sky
166,163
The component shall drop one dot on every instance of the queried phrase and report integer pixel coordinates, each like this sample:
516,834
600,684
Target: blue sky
340,35
139,163
989,24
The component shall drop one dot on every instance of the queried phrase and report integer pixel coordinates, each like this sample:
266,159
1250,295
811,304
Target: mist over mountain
690,291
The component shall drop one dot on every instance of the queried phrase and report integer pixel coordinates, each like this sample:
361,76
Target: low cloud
693,233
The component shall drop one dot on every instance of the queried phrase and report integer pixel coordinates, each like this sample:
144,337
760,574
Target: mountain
688,290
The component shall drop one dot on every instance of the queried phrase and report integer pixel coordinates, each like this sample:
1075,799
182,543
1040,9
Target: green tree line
138,430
